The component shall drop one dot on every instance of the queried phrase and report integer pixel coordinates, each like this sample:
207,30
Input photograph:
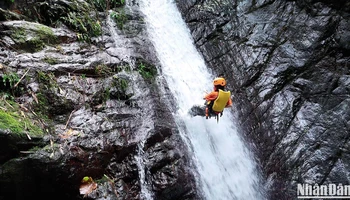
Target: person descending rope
218,99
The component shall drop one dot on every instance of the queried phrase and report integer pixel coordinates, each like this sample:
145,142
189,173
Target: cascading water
226,170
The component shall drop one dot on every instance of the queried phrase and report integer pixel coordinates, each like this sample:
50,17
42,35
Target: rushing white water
226,170
145,191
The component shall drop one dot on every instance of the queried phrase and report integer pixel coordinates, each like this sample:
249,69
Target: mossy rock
31,37
18,132
17,124
8,15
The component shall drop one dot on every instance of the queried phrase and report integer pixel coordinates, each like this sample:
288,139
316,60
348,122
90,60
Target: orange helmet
219,81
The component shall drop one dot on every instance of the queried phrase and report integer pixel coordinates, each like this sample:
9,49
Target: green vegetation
45,33
8,121
47,79
120,18
11,79
16,118
103,5
83,76
85,25
9,85
6,96
103,70
12,120
122,84
120,68
50,60
19,35
47,83
86,179
106,94
33,37
104,179
41,107
148,72
127,68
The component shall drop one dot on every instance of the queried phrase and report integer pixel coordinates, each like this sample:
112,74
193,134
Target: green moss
19,35
47,80
18,124
34,128
41,107
50,60
35,45
10,122
33,37
45,33
106,95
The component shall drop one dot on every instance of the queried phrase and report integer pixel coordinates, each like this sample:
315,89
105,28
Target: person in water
218,99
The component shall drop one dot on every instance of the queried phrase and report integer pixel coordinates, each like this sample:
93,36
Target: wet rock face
103,113
288,65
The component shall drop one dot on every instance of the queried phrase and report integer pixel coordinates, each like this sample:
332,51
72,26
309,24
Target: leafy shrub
103,5
120,18
147,71
84,24
11,79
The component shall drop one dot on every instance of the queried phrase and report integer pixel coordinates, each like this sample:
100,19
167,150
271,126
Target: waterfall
145,191
225,167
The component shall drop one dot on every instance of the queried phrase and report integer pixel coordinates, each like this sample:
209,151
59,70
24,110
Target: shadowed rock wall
288,65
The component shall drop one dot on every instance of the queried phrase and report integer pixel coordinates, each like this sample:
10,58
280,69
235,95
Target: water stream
226,170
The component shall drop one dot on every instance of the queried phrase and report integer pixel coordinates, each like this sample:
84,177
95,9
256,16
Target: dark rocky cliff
288,63
80,98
